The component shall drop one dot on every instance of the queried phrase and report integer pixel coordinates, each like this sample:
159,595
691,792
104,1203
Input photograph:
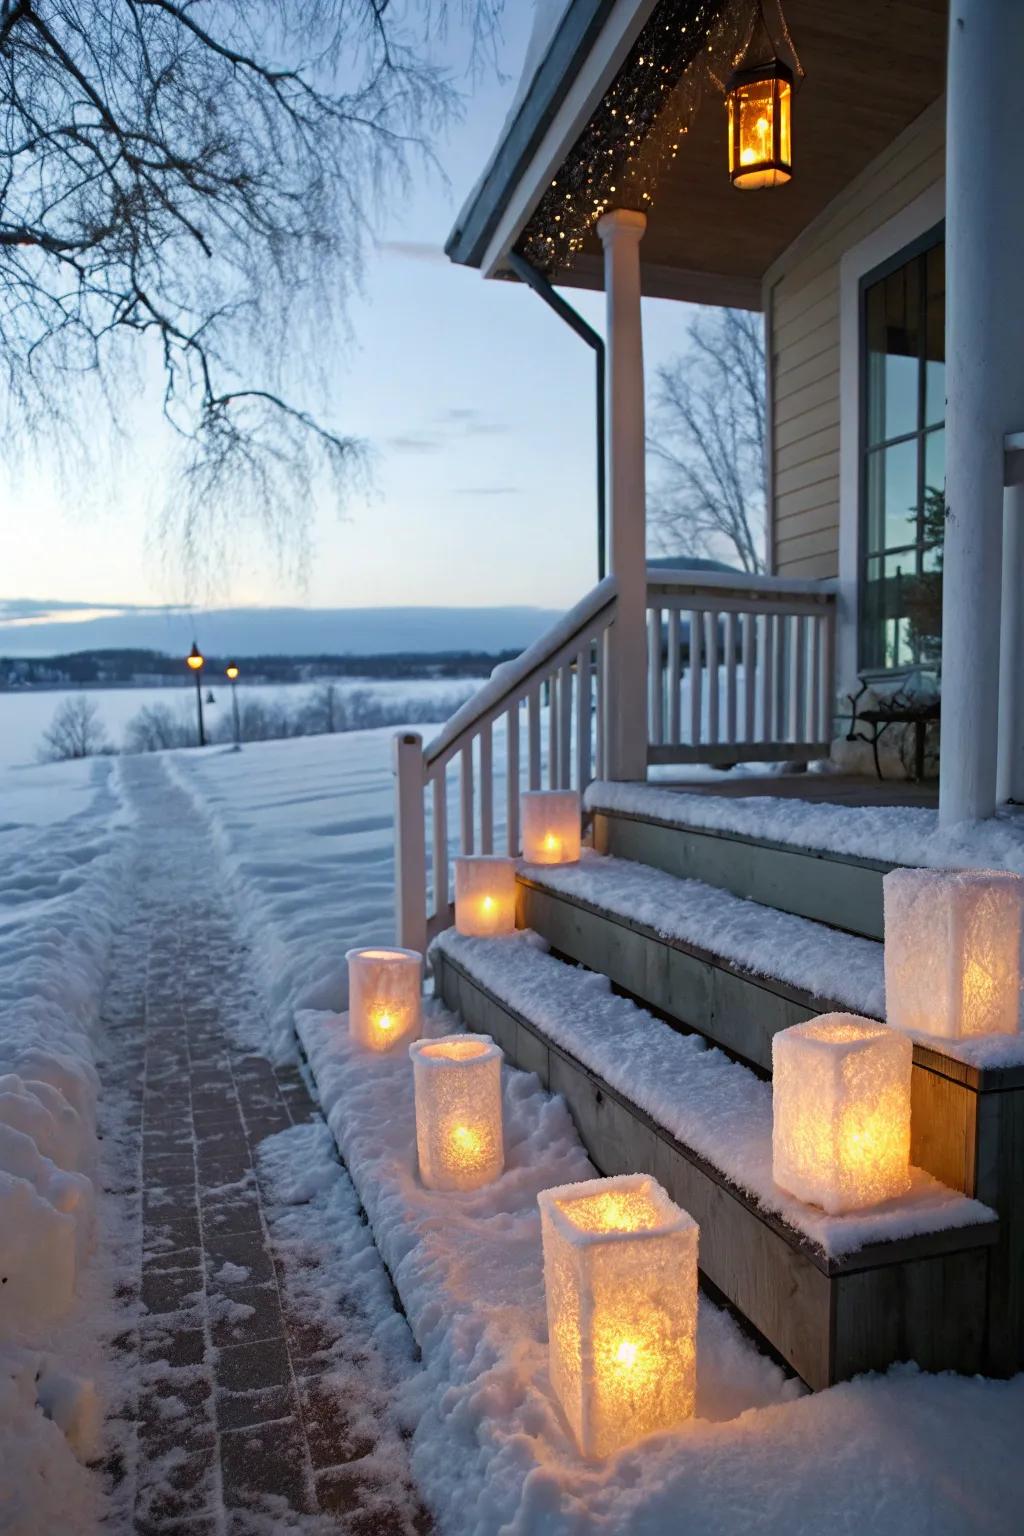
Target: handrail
661,578
508,678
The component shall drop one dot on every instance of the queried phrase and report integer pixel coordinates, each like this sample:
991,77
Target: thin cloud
486,490
413,250
414,442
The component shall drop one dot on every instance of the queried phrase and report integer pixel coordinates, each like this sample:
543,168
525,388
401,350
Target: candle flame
488,903
626,1354
384,1021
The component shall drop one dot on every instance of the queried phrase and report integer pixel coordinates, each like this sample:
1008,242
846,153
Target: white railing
740,668
547,713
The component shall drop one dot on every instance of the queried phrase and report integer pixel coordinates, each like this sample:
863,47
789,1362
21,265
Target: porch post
621,231
1011,659
984,382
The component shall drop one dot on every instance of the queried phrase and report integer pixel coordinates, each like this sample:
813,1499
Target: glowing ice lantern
485,895
841,1111
551,826
457,1084
620,1277
952,951
384,996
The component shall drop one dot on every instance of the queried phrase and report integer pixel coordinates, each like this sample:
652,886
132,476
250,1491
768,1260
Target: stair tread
838,968
712,1105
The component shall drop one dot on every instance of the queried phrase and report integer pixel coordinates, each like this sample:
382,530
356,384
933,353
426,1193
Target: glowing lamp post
195,661
459,1138
759,103
551,826
485,895
620,1278
841,1112
231,673
384,996
952,951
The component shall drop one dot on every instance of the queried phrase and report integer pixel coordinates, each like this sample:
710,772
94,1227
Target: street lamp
194,661
231,672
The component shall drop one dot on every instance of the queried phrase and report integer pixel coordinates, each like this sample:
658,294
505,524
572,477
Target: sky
475,399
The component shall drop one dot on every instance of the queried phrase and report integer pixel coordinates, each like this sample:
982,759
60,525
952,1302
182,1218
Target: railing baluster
749,675
564,726
814,682
696,675
655,709
512,779
553,731
766,625
466,798
779,627
828,653
712,627
583,718
533,735
674,724
486,790
730,676
440,840
601,650
797,678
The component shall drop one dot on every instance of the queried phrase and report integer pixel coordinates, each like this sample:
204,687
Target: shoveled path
243,1418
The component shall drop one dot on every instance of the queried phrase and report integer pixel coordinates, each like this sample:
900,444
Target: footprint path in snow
266,1380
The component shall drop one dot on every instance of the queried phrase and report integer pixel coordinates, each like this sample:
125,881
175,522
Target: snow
832,966
712,1104
490,1449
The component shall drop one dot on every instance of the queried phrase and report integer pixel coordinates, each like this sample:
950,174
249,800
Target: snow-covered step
818,861
834,1295
733,969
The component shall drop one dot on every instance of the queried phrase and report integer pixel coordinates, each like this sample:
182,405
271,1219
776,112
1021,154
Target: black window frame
924,243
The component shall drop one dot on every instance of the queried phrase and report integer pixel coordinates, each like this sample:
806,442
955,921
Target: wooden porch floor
827,788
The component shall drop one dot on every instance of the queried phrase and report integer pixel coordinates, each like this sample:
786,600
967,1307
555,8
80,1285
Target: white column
984,380
621,232
410,843
1011,661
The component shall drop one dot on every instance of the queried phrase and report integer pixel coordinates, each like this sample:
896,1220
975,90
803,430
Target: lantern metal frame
776,72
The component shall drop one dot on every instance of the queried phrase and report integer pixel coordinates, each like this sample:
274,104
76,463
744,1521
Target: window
903,473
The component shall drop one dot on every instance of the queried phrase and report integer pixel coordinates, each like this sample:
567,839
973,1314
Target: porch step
661,828
732,969
833,1295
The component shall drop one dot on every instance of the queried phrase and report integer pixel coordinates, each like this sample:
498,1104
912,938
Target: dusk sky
476,401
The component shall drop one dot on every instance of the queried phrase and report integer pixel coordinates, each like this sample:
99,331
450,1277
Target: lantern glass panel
384,996
760,132
841,1112
485,896
551,826
620,1279
459,1136
953,951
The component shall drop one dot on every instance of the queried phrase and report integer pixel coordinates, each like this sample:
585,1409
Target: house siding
802,303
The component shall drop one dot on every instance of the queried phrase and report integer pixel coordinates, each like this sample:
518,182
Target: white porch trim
894,235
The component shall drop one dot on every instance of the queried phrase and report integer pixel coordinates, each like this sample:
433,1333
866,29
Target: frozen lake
24,716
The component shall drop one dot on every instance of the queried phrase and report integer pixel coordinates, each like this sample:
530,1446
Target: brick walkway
236,1410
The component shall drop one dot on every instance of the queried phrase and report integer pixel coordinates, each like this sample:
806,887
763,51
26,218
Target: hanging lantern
759,102
384,991
551,826
841,1112
457,1088
485,895
620,1281
953,951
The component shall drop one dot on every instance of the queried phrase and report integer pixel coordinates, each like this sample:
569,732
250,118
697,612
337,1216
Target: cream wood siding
803,306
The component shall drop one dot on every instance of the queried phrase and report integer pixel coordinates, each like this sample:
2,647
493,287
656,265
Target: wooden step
837,889
920,1297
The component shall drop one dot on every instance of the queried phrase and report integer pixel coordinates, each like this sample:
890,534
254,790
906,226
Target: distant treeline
128,668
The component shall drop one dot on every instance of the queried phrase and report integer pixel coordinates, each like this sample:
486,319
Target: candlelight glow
459,1137
841,1112
620,1278
485,896
759,103
384,996
551,826
953,951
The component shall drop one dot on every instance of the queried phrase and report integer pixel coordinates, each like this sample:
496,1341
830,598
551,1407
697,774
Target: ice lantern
620,1277
485,895
551,826
952,951
457,1085
841,1111
384,991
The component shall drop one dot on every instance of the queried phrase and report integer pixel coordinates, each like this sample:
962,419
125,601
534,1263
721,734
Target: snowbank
707,1101
490,1449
